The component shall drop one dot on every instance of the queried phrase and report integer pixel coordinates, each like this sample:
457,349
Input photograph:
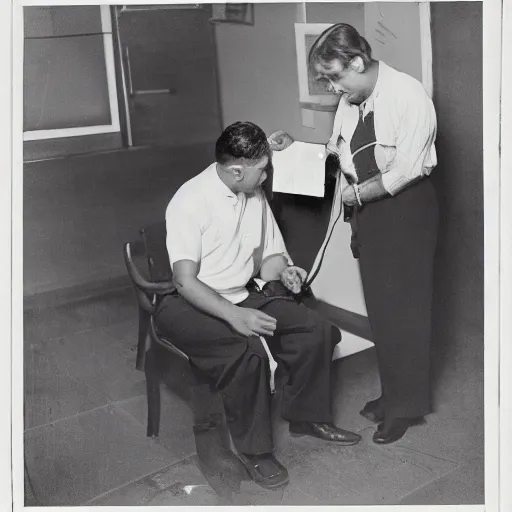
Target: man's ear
357,64
238,172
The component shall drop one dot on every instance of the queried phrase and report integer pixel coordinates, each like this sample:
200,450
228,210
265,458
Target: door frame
123,73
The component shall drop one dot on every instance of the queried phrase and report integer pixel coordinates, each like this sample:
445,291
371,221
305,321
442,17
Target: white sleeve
415,138
183,230
332,145
274,242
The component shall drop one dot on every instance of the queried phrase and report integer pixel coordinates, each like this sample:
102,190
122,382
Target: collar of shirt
220,187
368,105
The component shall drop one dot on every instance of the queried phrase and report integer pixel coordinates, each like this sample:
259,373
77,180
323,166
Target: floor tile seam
426,453
100,392
340,474
390,455
308,495
53,338
137,479
416,489
71,376
142,423
79,414
93,390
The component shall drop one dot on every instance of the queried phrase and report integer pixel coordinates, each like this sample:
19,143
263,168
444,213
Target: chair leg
144,322
153,395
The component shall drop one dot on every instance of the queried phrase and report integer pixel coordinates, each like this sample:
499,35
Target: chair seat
164,342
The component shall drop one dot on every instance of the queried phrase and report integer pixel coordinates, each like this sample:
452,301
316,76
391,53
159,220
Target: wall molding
76,292
426,47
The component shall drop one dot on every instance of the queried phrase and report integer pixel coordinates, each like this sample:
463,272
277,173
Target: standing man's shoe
389,432
325,431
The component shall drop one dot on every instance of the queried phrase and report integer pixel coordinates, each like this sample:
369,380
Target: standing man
383,135
220,235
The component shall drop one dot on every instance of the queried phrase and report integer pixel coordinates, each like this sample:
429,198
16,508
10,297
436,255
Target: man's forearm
372,189
272,267
204,298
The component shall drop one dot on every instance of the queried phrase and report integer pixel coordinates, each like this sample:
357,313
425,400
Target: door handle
141,92
147,92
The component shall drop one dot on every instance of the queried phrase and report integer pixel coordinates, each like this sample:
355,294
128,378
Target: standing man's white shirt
405,121
228,234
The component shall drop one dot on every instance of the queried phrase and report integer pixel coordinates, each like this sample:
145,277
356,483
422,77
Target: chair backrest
154,237
151,249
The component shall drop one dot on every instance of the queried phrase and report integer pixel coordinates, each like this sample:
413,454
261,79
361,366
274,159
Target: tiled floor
85,437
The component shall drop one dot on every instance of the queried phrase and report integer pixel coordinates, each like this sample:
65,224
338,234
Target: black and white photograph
251,260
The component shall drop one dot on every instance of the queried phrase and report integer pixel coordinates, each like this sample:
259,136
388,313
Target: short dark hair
342,42
242,139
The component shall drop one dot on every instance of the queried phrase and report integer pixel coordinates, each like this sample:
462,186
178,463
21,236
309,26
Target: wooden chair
222,469
150,288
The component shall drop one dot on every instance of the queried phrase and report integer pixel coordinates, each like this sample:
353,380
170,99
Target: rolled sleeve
414,142
183,231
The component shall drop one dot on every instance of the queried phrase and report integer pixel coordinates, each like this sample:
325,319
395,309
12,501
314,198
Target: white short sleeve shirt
228,234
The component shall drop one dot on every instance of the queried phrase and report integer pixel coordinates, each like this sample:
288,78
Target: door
169,70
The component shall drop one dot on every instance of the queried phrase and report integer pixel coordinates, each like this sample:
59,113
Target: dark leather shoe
373,411
389,432
265,470
325,431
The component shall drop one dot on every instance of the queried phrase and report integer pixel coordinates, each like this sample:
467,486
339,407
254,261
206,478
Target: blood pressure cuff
272,290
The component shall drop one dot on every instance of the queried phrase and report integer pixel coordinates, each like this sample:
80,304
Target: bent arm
415,138
199,294
248,322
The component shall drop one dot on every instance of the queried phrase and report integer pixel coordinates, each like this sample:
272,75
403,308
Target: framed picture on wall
242,14
313,95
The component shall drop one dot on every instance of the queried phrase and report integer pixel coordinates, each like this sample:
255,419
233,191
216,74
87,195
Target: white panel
393,32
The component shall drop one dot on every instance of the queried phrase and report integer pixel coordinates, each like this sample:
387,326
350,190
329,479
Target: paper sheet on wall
300,169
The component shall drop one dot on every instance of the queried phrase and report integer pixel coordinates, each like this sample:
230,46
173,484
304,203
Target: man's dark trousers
302,345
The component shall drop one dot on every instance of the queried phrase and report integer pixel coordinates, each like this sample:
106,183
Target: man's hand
348,196
280,140
293,278
252,322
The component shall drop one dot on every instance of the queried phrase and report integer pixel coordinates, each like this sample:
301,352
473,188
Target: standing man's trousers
396,239
302,345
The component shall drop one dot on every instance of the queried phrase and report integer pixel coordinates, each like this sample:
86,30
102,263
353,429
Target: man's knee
324,328
323,333
335,335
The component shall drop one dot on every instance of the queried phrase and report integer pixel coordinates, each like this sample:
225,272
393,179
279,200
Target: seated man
221,233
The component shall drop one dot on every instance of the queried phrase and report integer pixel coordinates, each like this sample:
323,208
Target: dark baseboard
79,292
54,148
346,320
